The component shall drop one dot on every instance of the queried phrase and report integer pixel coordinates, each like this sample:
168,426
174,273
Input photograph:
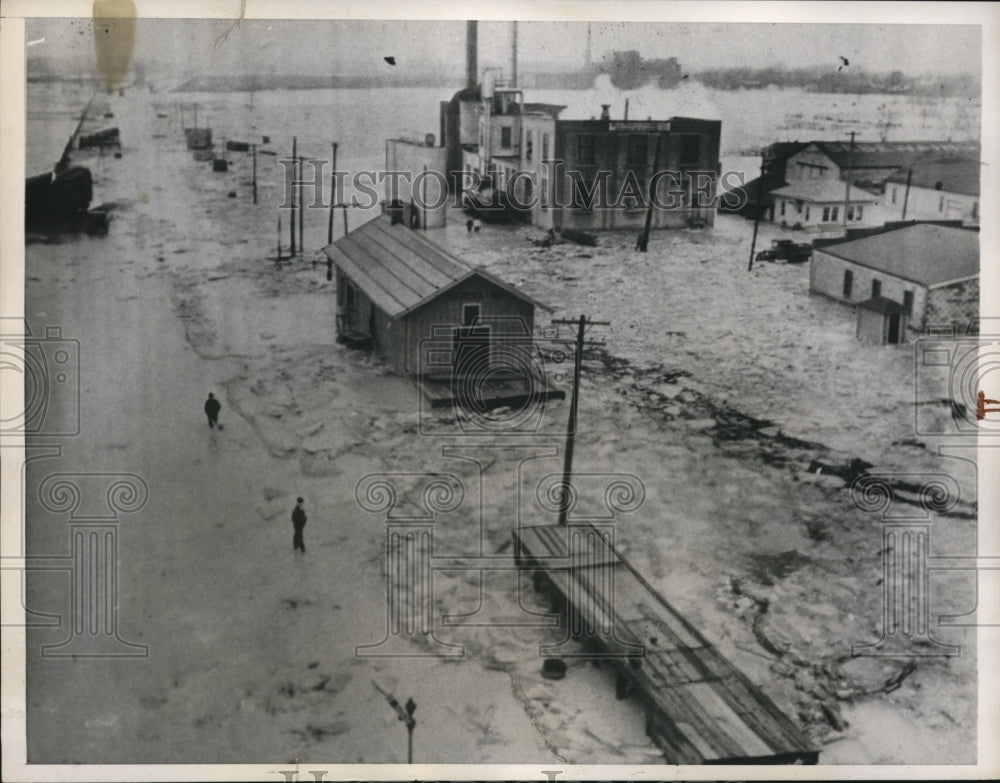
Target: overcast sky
322,47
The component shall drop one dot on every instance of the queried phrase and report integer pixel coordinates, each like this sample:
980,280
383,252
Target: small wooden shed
881,321
421,306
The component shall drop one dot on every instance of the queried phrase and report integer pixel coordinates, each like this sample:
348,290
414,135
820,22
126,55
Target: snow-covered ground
717,387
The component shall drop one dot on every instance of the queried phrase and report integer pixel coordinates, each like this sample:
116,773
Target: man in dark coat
212,408
298,522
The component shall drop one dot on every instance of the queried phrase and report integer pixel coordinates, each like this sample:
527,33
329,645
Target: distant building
870,163
427,311
930,271
941,190
819,205
591,173
423,192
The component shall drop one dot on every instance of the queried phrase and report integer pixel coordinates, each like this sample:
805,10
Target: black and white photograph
545,391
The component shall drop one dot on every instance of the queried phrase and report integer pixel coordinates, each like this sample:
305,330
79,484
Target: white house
819,205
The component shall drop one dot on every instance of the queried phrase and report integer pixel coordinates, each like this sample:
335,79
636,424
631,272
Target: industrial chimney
471,55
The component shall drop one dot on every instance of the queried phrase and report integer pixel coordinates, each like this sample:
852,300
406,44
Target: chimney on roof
605,111
471,54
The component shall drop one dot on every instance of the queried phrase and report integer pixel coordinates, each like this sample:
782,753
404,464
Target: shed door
894,328
471,350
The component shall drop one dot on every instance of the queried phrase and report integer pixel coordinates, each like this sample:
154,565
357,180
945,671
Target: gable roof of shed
399,269
922,253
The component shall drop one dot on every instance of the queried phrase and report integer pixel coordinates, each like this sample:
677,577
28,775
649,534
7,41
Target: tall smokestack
513,54
471,54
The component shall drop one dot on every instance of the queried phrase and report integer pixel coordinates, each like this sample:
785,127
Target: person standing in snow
212,408
298,522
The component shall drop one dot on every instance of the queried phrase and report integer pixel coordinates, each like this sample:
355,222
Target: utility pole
291,226
847,189
643,242
333,196
302,209
581,325
254,148
760,206
906,195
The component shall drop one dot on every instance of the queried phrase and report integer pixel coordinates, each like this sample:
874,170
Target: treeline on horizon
822,78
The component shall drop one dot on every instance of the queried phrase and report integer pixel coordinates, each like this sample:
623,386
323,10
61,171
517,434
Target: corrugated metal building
932,271
402,292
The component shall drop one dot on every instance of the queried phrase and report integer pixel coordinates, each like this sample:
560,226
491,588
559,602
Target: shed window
894,191
585,148
908,302
807,213
857,212
783,208
876,288
505,137
848,283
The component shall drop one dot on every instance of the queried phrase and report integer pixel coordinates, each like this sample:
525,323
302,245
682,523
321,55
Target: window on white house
848,283
908,302
505,137
894,190
826,214
876,288
850,212
807,213
833,214
783,208
857,212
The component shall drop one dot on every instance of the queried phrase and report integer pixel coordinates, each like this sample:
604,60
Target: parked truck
786,250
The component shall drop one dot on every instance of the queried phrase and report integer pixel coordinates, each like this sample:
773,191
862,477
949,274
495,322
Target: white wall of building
929,204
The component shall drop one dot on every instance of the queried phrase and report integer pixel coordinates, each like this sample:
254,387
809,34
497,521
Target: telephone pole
581,329
847,189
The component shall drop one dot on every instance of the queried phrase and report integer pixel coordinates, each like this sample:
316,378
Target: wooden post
254,148
333,195
302,210
291,226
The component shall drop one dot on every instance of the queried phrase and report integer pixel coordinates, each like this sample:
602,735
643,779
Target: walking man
298,522
212,408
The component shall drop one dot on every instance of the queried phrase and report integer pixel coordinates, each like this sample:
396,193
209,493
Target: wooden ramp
700,709
493,392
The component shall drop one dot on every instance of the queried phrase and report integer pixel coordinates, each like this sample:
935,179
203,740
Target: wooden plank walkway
700,709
